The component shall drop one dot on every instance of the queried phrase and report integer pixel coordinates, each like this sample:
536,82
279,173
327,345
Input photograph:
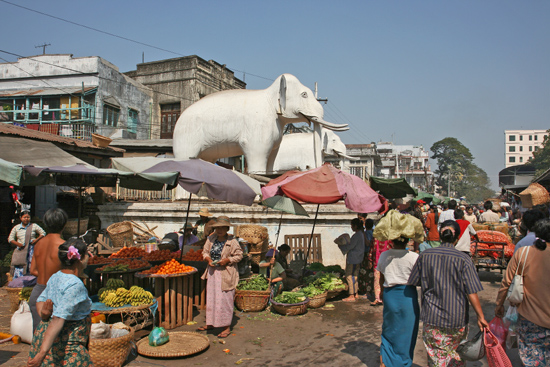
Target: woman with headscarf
448,281
222,252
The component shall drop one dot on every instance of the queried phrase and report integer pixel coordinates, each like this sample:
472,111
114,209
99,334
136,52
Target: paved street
345,335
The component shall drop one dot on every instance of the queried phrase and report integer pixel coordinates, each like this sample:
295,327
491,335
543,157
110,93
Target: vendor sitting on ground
355,252
276,274
292,280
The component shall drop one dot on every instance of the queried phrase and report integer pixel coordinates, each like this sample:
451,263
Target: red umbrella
325,185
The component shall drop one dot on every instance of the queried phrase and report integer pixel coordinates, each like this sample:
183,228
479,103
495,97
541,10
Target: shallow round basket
121,234
13,294
290,309
71,228
251,301
332,294
111,352
181,344
317,301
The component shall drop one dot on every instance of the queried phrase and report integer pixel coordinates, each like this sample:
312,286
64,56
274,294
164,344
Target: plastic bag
472,350
512,318
100,330
499,329
158,336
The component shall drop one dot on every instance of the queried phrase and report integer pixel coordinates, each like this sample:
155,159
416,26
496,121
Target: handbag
496,356
515,291
19,257
472,350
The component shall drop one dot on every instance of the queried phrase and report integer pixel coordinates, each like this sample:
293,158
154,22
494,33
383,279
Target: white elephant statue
297,151
247,122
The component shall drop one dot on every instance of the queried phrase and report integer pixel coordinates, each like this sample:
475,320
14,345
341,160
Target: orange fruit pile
193,255
170,267
158,255
129,252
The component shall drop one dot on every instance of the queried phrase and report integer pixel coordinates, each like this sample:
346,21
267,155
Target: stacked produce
112,284
124,265
312,291
255,283
25,294
290,297
325,281
129,252
193,255
159,255
169,267
136,296
97,260
493,236
7,260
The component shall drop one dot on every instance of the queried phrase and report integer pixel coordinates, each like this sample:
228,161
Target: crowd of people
386,263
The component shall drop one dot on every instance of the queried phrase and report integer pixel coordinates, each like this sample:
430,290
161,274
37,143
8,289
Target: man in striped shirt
449,280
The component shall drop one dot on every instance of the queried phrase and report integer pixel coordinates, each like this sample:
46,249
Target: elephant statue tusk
328,125
342,155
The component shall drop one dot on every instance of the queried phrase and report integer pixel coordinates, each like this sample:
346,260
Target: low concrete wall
332,221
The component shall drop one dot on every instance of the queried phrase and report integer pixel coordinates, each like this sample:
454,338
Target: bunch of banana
116,298
139,296
114,283
104,292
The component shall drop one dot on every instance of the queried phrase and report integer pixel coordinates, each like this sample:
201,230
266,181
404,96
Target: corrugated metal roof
159,143
9,129
44,91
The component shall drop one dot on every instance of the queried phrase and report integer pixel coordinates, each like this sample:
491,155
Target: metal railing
140,195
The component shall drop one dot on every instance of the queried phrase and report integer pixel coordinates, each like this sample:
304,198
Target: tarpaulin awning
35,153
392,188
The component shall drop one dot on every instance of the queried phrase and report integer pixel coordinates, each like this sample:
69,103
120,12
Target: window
521,138
545,137
512,138
169,114
110,115
530,137
512,149
530,148
132,120
520,159
521,148
512,159
536,149
536,137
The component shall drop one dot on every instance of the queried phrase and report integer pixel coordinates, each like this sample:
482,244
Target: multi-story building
405,161
519,145
73,97
178,83
364,166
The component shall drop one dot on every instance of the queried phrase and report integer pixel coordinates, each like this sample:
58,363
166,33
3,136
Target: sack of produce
158,336
21,323
100,330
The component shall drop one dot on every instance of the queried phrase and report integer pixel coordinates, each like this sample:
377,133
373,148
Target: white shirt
463,243
396,265
448,214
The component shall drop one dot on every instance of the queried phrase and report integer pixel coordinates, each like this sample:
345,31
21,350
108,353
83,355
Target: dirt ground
344,334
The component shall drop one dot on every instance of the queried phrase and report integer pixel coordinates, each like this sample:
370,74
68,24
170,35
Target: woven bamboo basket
317,301
256,257
111,352
13,294
332,294
251,301
254,234
290,309
71,228
101,141
122,234
534,194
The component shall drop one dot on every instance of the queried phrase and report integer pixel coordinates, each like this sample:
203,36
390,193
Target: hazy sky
414,71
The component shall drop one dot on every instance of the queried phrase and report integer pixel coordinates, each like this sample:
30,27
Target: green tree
541,157
454,160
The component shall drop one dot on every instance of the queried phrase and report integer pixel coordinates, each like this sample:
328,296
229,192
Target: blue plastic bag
158,336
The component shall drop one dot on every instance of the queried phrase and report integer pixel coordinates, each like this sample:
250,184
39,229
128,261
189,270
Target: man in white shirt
448,214
488,215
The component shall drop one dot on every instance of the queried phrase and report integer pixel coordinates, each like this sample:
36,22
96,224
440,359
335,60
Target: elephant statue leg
256,158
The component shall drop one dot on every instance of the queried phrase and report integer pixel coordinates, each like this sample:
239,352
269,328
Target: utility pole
43,47
449,184
317,98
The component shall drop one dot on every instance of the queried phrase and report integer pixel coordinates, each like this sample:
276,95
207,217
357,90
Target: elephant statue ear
282,95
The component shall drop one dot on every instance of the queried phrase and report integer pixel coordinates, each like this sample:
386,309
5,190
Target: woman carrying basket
222,252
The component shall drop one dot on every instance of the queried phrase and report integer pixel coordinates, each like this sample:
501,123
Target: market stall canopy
10,172
325,185
195,176
28,152
392,188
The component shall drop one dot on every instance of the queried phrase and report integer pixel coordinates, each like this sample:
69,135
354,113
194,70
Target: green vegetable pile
118,267
254,283
7,260
325,281
312,291
290,298
316,267
25,294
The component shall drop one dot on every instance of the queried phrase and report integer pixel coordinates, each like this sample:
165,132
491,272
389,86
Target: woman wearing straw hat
222,252
200,226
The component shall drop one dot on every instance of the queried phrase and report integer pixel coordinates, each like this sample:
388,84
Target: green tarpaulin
392,188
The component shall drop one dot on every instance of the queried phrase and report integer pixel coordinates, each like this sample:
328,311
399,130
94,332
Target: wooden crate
298,247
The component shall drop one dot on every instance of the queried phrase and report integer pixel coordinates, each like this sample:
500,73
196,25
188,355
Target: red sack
499,330
496,356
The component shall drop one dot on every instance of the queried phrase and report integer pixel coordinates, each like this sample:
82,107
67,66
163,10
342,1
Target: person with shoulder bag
527,286
24,236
